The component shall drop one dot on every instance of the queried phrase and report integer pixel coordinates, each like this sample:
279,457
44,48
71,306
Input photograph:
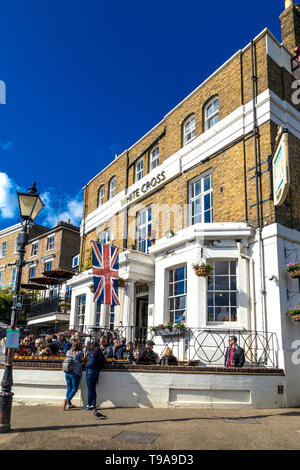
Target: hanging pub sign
281,170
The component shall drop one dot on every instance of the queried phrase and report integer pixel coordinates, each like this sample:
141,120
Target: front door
141,318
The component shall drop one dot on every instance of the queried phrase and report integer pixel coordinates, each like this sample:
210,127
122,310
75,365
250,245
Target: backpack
68,364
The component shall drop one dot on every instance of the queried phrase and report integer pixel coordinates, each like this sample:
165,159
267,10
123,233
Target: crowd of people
115,348
118,349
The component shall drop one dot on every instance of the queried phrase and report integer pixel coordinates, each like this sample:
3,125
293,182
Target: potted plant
64,306
202,270
294,313
293,269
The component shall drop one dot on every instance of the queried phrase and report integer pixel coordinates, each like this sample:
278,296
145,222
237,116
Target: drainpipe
257,174
125,239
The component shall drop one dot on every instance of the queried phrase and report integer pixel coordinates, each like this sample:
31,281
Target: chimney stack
290,25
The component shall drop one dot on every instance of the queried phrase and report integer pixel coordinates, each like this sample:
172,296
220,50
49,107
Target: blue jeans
91,381
72,385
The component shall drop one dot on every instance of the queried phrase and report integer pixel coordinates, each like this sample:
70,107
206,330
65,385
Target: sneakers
87,407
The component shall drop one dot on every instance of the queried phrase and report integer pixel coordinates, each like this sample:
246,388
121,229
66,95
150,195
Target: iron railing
201,346
46,306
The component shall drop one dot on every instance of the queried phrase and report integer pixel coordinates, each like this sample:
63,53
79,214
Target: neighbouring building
47,249
55,249
9,253
206,185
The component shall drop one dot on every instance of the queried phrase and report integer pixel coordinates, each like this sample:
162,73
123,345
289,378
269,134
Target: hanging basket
203,271
91,286
121,283
295,273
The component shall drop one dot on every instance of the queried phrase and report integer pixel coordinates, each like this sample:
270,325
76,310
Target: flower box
170,329
293,269
167,332
294,313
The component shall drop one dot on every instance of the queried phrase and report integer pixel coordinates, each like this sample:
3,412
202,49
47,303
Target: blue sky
85,79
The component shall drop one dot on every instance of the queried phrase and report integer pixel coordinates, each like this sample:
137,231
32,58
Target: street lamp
30,205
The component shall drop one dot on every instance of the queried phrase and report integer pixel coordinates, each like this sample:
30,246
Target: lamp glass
30,205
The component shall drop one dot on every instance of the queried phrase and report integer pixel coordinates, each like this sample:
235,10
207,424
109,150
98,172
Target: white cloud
70,208
8,197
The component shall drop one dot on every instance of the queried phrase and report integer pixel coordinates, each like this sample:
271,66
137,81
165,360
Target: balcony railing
46,306
196,345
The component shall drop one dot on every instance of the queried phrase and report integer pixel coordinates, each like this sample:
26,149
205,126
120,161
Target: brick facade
234,193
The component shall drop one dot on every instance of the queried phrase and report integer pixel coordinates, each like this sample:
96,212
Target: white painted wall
154,390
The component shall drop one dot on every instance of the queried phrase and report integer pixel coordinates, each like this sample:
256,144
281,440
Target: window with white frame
3,249
98,314
16,245
139,169
13,275
112,187
75,261
154,158
48,266
1,277
101,195
201,199
32,270
211,113
80,311
222,292
188,130
143,229
50,243
104,237
34,249
177,294
111,317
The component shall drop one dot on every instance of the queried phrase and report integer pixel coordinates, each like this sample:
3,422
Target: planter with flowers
294,313
64,306
170,329
293,269
202,270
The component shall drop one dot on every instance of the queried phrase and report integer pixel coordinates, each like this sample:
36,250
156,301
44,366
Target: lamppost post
30,205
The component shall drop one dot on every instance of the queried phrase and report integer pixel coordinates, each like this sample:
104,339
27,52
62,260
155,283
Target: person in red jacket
234,356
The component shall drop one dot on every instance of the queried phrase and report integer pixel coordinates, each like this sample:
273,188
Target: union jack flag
105,273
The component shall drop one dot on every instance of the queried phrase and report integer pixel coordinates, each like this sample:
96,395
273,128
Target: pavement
50,428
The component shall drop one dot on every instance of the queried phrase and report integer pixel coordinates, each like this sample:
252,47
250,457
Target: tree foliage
6,301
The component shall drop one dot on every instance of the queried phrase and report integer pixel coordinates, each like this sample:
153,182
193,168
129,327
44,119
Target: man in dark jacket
147,355
234,356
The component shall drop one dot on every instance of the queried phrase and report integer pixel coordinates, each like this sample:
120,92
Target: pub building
215,182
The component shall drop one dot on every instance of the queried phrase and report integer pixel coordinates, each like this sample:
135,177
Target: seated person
130,355
41,348
51,345
122,349
147,355
168,358
105,348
